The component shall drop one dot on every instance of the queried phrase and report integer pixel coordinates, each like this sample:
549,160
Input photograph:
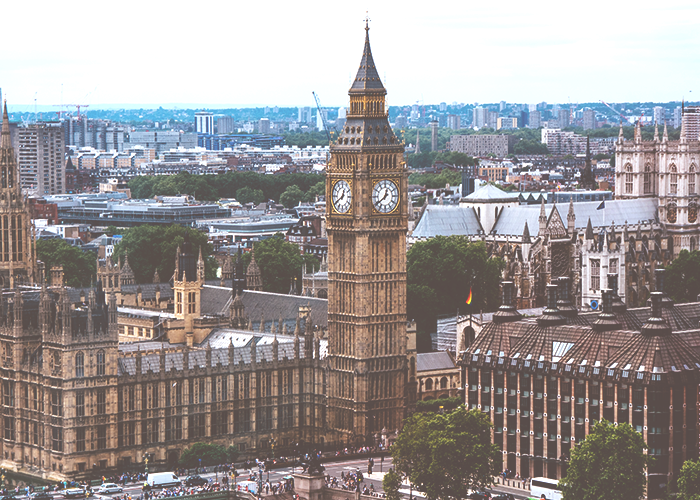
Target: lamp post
145,460
2,479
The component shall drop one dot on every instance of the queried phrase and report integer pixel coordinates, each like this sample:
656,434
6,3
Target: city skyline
451,52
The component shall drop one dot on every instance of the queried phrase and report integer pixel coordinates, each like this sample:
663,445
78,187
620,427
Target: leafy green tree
435,181
447,455
291,196
450,266
232,453
608,464
682,281
79,267
391,483
154,247
434,405
249,195
318,189
689,480
210,454
279,262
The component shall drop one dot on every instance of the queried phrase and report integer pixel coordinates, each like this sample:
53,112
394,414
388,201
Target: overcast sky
248,53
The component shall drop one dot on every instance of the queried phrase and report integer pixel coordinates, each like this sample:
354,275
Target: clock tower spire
367,221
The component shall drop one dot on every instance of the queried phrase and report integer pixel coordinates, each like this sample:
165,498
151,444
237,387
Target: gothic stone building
83,391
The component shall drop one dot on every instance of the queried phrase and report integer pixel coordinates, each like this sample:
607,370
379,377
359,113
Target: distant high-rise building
401,122
454,122
41,158
492,119
480,115
524,118
659,115
342,112
502,106
319,119
264,126
225,125
443,106
204,122
304,115
691,123
535,119
677,116
434,135
563,118
482,145
589,121
541,106
506,122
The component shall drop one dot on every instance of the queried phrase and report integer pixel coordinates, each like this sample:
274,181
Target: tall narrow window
613,266
647,179
100,363
80,365
101,402
80,404
628,178
595,274
673,181
80,439
691,180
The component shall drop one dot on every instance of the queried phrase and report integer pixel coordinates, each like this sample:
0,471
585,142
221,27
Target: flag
601,206
469,299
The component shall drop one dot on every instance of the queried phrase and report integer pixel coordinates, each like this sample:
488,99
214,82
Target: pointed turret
156,278
367,78
542,219
638,132
571,217
589,230
620,135
253,277
126,275
684,131
200,266
665,138
656,132
6,140
526,234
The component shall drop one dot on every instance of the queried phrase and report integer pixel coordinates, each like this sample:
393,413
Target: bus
544,487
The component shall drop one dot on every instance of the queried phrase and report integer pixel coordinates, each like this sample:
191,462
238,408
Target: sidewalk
512,486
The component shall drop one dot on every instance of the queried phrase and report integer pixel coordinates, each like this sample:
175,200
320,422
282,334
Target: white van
163,480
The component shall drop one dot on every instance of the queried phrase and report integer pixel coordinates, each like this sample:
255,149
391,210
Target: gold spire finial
367,21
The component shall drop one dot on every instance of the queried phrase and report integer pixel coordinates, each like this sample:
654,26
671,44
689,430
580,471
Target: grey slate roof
489,192
428,361
271,306
446,220
512,220
148,290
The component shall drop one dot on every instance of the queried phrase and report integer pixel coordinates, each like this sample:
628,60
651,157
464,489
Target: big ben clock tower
367,221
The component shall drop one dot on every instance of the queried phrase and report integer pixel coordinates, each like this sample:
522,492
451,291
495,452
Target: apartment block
41,158
589,120
482,145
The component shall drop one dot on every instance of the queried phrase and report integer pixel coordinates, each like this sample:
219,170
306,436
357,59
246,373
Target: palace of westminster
99,378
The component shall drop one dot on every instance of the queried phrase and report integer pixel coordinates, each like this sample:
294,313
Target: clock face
342,197
385,196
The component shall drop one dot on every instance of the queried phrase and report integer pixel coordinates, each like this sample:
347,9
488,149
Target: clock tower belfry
366,221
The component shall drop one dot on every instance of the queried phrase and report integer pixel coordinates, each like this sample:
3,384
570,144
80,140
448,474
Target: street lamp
2,479
145,459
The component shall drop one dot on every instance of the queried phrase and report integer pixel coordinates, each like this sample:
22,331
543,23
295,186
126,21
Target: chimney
656,325
606,319
551,316
507,312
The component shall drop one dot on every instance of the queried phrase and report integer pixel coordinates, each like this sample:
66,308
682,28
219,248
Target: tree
154,247
447,455
608,464
291,196
232,453
450,266
210,454
249,195
79,267
689,480
682,281
318,189
391,484
279,262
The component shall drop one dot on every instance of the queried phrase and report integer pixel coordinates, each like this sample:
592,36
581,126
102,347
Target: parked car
108,488
195,481
74,493
40,495
480,495
503,496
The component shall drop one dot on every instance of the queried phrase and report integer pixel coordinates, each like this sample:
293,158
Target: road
332,469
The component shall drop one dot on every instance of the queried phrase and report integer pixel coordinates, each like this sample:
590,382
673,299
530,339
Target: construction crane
77,106
323,117
616,111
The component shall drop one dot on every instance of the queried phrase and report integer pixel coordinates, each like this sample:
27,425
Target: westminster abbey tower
367,220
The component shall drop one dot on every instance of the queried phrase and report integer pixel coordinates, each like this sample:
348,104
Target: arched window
647,179
672,213
673,187
80,365
692,212
628,178
429,384
100,363
443,383
691,180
